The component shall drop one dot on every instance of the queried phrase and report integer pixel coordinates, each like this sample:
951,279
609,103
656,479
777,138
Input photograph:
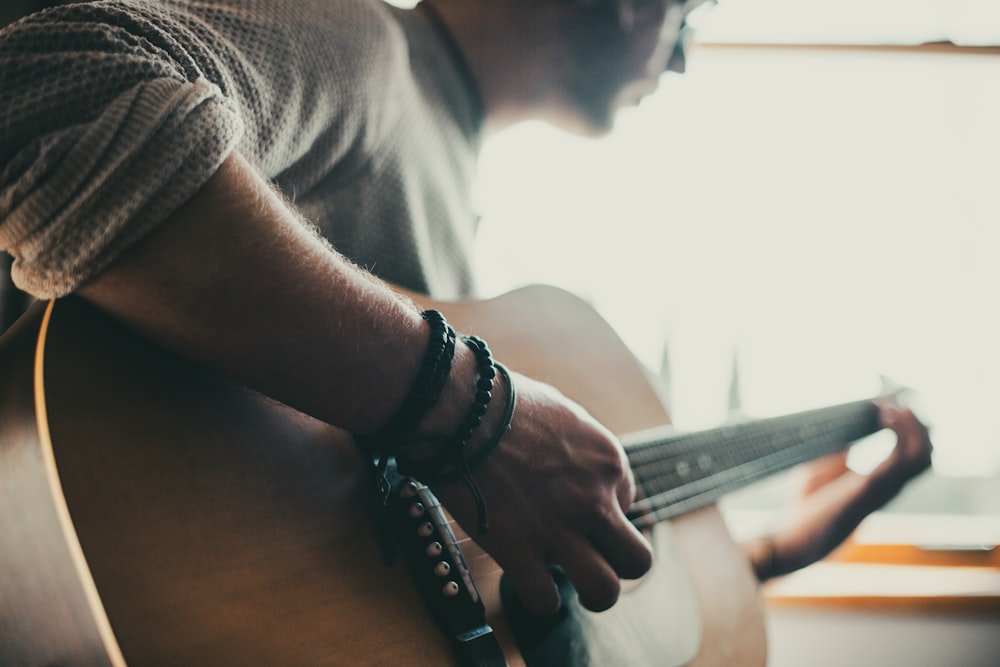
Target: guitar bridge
423,535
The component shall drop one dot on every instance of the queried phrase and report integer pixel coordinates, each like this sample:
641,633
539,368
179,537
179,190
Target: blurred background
813,205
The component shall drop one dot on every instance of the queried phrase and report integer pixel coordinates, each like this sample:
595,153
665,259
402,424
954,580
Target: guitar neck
678,472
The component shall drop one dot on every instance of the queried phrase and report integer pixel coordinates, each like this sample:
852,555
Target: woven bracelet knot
450,460
426,389
453,463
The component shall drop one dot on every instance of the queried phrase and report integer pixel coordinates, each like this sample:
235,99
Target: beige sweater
113,113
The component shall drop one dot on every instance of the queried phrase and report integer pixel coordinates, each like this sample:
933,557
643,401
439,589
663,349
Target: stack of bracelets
450,460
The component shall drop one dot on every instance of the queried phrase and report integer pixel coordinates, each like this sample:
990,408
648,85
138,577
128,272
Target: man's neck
512,51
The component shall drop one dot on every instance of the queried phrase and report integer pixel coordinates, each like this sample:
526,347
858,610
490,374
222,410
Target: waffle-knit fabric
113,113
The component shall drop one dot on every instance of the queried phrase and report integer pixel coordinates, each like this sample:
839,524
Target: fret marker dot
683,468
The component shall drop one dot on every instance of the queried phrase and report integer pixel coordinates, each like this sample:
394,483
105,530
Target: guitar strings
680,472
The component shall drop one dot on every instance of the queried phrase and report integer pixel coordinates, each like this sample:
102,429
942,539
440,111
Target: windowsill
935,548
915,588
937,540
967,22
921,47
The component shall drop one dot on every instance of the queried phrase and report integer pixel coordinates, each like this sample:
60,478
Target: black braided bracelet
426,389
446,467
452,465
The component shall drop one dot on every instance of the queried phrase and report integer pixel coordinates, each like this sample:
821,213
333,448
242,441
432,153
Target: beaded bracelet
452,465
480,405
484,390
484,452
426,389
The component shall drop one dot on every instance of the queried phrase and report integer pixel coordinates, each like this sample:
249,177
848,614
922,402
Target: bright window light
812,218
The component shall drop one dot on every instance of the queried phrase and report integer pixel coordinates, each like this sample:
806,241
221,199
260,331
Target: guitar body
183,519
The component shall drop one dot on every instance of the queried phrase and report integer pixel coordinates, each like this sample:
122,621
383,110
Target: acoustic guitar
154,513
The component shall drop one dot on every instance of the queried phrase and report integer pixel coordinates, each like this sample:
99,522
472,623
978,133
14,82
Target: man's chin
601,124
633,95
593,122
593,117
587,130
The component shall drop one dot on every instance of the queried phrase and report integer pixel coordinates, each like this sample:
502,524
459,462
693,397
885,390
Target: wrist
436,435
474,404
452,457
424,391
445,417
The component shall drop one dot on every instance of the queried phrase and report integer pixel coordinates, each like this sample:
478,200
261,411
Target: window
965,23
810,217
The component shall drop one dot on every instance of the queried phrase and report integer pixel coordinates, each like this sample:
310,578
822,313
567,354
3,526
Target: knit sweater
115,112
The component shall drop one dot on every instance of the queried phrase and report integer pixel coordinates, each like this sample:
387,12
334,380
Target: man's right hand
557,489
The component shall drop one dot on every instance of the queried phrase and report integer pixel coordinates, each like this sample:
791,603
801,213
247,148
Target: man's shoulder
364,37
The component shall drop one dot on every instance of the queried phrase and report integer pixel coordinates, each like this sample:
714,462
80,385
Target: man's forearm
235,280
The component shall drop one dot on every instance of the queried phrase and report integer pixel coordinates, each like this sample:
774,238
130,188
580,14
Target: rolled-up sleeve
107,125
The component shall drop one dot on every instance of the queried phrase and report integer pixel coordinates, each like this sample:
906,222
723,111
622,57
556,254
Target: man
139,142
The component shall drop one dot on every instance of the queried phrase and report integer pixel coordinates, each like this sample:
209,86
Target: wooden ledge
870,587
925,539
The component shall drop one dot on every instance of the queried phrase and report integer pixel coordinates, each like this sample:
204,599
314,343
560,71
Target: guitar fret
676,472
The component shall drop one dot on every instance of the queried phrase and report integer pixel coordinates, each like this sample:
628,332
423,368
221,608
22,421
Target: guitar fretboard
678,472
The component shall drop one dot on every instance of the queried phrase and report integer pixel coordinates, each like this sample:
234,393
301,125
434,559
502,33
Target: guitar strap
422,533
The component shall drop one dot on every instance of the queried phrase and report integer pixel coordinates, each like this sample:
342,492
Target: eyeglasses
632,13
685,31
